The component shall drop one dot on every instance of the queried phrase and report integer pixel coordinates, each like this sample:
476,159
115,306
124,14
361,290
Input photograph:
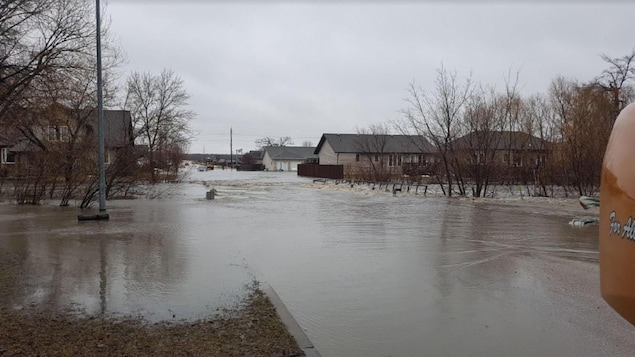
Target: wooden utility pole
231,155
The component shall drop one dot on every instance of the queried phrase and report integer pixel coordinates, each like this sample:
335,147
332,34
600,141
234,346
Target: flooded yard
365,274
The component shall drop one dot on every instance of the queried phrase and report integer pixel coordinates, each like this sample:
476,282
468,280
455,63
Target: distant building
287,158
511,148
216,159
376,156
257,156
55,126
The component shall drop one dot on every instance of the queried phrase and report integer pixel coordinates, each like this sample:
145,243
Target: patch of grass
8,276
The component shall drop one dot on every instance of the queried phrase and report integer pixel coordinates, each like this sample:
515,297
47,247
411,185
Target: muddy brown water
364,273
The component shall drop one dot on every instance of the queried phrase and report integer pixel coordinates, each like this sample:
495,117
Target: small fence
335,172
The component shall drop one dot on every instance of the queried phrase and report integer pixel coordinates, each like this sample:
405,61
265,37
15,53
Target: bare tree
561,98
371,143
47,82
158,108
538,119
269,141
615,80
584,118
476,152
307,143
76,89
436,116
39,38
509,110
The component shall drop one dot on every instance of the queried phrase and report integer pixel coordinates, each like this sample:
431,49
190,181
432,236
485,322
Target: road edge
290,323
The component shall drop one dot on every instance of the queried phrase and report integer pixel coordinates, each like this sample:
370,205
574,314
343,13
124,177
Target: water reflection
136,264
366,274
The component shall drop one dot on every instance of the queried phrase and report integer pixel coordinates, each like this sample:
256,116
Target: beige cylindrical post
617,217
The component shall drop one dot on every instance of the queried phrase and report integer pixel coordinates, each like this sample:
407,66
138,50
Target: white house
287,158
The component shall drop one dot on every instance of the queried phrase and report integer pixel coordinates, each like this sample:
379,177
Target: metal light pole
100,119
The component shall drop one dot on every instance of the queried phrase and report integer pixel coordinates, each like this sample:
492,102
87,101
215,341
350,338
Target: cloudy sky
303,68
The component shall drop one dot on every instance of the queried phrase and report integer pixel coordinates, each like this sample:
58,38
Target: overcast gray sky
303,68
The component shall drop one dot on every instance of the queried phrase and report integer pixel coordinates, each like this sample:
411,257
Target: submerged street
364,273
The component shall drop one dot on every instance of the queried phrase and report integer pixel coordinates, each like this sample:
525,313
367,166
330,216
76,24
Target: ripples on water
366,274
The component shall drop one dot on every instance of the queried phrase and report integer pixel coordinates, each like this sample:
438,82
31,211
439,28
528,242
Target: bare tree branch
159,115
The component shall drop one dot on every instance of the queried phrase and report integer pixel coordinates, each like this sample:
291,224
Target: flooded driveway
364,274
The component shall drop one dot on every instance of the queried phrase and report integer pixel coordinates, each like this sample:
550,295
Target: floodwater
364,274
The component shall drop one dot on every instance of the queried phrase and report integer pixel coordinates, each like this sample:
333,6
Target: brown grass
253,330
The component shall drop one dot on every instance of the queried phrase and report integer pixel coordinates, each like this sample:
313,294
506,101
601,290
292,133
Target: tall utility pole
231,155
100,117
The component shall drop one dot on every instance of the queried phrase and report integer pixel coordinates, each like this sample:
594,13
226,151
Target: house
510,148
252,161
56,128
256,155
287,158
378,157
7,141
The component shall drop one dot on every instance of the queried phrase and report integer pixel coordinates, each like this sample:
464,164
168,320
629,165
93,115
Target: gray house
511,148
364,155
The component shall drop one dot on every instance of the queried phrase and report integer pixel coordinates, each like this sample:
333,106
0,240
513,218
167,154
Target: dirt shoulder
253,330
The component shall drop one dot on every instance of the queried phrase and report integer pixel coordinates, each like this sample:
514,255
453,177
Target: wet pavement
365,274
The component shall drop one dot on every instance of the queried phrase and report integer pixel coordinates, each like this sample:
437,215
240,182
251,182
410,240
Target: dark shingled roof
502,140
257,154
369,143
290,152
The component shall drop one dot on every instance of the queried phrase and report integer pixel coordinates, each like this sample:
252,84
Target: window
398,160
376,158
7,157
63,130
52,132
390,160
357,157
58,133
479,158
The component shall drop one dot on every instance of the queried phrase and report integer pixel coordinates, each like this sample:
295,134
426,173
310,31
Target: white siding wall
287,165
275,165
329,157
326,155
266,160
